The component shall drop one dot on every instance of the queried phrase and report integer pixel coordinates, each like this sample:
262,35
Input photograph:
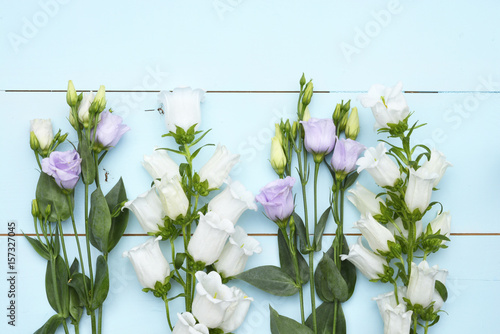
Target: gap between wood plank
268,234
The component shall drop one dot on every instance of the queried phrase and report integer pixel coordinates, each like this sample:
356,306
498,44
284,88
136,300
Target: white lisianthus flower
441,276
236,313
419,191
388,104
148,210
442,223
212,299
370,264
421,284
42,128
437,164
375,233
172,196
149,263
397,320
186,324
83,109
399,223
364,200
232,202
377,163
217,169
182,107
159,164
209,238
235,254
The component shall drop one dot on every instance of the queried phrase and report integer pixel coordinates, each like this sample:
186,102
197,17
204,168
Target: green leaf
324,319
179,260
101,284
114,198
284,325
441,289
195,153
78,285
74,267
301,232
56,268
199,138
330,284
50,327
347,269
320,228
49,193
286,260
350,179
270,279
99,221
75,306
40,248
88,163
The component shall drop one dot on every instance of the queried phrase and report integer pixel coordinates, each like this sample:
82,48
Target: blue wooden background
249,56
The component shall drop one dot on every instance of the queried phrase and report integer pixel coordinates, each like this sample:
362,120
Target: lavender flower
345,155
277,199
64,167
319,137
109,130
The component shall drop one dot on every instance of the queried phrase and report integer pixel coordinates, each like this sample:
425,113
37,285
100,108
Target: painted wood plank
473,280
245,123
248,45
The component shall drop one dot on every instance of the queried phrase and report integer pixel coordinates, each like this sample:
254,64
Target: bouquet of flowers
332,281
74,285
215,249
392,222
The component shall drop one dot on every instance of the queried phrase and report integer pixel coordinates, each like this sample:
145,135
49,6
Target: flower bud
34,208
84,107
63,138
307,115
278,158
34,141
287,126
302,80
72,120
278,134
308,92
343,121
71,96
295,125
47,210
336,114
352,126
100,100
346,107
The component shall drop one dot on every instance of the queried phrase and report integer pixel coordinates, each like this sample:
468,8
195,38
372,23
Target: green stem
77,240
313,294
96,162
292,247
65,325
99,324
54,282
165,299
189,279
63,244
77,328
335,310
426,328
89,257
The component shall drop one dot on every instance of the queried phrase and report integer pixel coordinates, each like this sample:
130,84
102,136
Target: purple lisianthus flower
345,155
319,136
109,130
64,167
277,199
